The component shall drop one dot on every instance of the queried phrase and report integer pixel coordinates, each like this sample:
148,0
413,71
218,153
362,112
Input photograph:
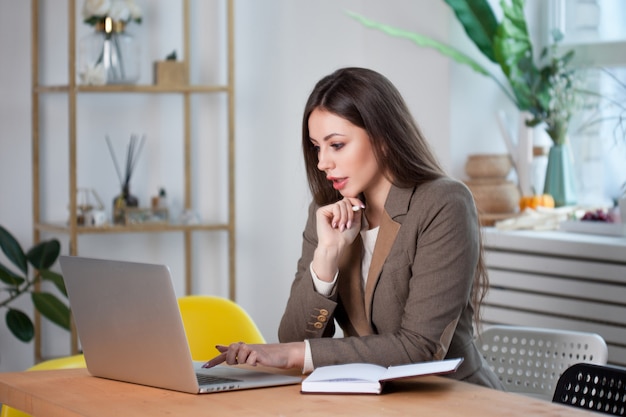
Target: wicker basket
488,166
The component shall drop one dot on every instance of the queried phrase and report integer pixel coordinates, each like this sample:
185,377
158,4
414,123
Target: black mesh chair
600,388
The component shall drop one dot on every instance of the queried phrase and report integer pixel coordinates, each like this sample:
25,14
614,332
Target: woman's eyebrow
327,137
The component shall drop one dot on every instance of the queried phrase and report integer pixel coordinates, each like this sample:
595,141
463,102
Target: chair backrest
67,362
211,320
530,360
600,388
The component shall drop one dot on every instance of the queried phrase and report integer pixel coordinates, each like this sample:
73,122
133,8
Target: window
595,30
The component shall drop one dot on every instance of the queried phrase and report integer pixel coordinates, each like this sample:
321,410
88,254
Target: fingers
344,213
252,358
234,354
215,361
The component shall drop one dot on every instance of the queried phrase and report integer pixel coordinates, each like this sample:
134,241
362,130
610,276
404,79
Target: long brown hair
370,101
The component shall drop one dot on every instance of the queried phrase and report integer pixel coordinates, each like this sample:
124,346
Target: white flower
96,8
134,9
94,75
119,12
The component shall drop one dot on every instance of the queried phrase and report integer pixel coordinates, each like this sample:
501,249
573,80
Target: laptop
129,325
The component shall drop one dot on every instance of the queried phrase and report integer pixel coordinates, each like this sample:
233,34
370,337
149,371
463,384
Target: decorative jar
121,203
109,55
560,177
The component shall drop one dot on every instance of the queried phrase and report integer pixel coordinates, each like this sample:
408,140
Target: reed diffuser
125,199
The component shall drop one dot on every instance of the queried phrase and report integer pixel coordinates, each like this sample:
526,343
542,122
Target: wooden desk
73,392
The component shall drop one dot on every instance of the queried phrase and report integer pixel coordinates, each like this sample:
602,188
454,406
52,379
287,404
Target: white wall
15,174
282,48
303,42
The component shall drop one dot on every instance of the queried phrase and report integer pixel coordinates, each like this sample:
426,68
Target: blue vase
560,180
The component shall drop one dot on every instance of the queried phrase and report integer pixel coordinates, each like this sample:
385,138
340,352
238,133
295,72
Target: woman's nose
323,161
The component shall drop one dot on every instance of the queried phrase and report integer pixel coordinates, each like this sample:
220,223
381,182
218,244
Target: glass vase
109,55
560,177
121,202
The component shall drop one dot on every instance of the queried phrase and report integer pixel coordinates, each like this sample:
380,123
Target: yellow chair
67,362
211,320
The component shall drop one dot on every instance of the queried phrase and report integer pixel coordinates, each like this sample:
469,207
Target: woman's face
345,154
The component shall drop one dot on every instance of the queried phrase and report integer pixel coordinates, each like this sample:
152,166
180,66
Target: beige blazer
416,303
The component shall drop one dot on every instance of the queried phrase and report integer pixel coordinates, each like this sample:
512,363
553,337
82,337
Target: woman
391,249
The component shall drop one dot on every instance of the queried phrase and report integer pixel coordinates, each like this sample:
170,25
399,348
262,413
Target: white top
325,288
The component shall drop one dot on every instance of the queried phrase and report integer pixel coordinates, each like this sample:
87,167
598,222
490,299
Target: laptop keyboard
211,379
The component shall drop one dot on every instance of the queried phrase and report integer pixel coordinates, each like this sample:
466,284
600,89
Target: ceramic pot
560,181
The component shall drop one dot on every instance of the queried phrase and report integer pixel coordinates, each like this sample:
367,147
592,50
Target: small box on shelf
170,73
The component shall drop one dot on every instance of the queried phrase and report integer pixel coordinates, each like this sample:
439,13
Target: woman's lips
339,183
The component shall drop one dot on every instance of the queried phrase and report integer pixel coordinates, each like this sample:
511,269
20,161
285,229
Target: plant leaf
20,325
422,40
513,51
425,41
93,20
479,23
8,277
44,254
13,250
52,308
55,278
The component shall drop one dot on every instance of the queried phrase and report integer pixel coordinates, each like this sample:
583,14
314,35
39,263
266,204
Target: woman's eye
315,148
337,146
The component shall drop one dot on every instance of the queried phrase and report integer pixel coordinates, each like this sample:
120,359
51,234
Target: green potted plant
21,280
549,93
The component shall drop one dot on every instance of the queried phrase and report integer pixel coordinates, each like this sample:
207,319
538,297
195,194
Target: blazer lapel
357,302
386,236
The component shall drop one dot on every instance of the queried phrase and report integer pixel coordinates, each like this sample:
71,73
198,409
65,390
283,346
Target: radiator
558,280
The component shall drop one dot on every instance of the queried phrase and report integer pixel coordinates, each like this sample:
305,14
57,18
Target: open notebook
130,329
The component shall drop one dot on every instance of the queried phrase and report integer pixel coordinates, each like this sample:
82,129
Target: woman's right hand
277,355
338,224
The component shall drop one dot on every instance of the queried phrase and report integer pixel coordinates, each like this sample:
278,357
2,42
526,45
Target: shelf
148,89
142,228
